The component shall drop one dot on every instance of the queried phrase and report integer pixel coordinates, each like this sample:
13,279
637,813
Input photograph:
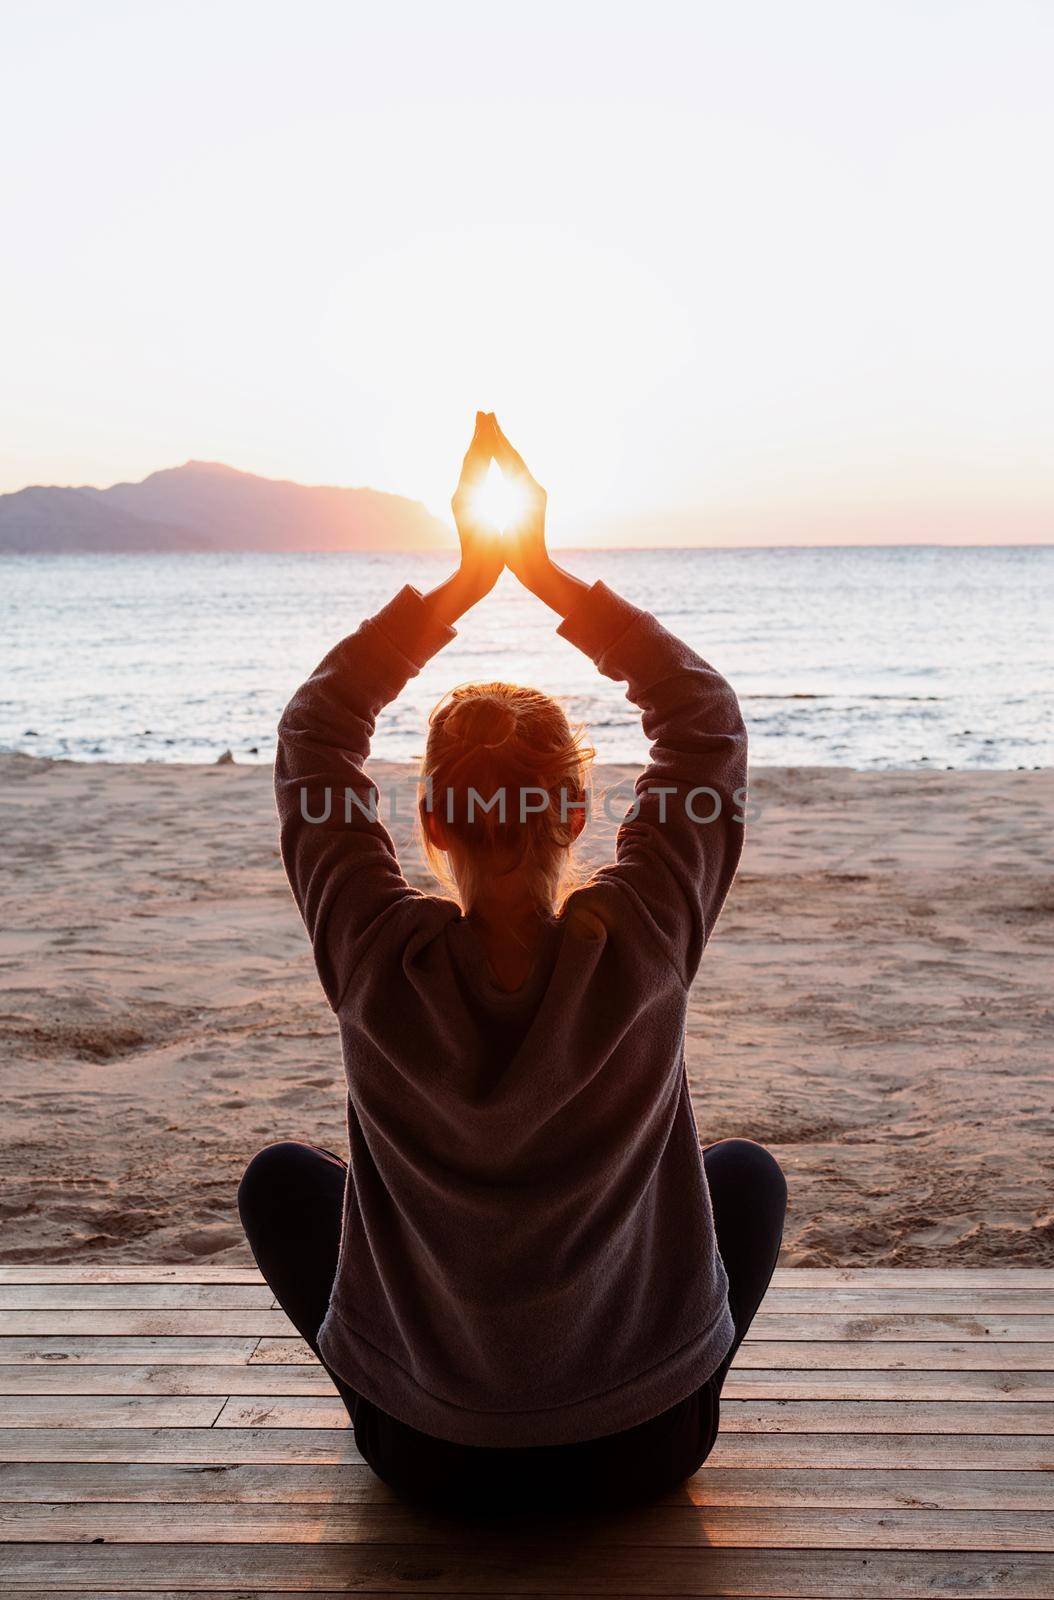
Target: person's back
526,1260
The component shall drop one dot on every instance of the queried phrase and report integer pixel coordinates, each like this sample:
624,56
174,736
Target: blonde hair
486,739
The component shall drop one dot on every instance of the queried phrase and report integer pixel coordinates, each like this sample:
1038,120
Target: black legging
290,1201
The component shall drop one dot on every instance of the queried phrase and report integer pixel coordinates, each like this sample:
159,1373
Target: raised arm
682,837
338,855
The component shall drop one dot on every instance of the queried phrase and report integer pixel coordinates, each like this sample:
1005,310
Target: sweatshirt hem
392,1389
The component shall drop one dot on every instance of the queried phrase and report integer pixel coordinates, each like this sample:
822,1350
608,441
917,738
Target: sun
498,501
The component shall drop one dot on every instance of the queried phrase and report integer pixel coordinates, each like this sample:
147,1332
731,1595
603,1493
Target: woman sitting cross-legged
528,1282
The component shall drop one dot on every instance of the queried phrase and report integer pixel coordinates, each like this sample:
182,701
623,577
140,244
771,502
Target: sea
898,657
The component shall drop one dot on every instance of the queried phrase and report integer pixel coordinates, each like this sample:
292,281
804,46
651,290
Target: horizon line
568,549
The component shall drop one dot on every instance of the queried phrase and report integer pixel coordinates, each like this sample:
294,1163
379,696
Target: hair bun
481,721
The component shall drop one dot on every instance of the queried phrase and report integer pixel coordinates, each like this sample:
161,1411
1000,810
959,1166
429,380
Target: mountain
204,505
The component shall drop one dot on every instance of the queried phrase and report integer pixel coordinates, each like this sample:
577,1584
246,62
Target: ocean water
917,656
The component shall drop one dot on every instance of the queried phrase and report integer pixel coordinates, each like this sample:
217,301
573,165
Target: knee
265,1177
752,1164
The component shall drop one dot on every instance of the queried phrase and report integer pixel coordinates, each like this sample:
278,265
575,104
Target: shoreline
758,769
874,1005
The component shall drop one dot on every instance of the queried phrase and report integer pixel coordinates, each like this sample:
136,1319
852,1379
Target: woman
528,1284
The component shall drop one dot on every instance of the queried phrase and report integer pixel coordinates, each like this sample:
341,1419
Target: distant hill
207,506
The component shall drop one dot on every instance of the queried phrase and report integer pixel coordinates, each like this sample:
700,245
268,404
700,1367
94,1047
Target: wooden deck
884,1433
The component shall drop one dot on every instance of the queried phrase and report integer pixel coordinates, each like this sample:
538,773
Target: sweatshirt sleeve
680,842
341,865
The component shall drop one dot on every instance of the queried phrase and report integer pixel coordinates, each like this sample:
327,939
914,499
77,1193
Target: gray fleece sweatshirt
528,1253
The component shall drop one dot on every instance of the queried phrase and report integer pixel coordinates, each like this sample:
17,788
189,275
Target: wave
849,699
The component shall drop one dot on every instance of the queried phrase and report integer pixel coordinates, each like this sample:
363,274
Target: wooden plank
64,1482
974,1299
428,1593
279,1411
296,1484
189,1272
1012,1301
850,1452
847,1354
737,1416
867,1299
898,1325
204,1446
157,1324
115,1350
579,1565
783,1277
135,1296
912,1277
109,1411
36,1378
321,1446
855,1416
245,1380
263,1322
830,1355
828,1486
655,1527
787,1384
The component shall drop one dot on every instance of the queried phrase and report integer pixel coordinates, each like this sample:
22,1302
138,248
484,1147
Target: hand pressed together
486,548
482,557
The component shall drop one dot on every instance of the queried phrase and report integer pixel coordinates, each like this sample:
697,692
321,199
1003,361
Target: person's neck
507,910
509,926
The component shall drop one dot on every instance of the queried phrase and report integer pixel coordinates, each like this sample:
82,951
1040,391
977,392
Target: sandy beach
875,1006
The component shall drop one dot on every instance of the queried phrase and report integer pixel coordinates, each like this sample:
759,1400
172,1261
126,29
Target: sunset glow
730,275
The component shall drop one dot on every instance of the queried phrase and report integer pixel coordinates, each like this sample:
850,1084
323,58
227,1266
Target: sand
875,1006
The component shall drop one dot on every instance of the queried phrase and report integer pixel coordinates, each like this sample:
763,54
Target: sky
761,273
